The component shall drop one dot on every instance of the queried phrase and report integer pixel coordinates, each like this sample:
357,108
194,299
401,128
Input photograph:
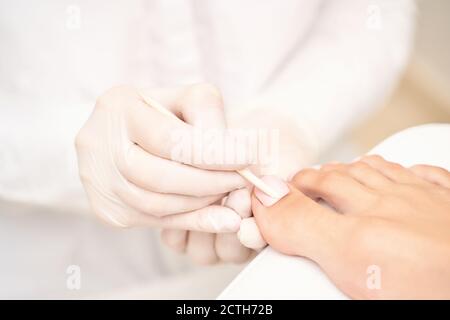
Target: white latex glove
249,234
124,153
209,248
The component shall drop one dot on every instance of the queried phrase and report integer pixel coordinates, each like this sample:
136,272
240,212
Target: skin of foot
385,233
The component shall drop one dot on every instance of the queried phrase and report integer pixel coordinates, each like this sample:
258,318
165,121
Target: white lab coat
320,64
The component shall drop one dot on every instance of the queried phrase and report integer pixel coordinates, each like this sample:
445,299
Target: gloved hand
125,153
209,248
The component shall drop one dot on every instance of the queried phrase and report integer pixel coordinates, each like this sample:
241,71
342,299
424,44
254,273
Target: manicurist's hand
210,248
385,234
139,167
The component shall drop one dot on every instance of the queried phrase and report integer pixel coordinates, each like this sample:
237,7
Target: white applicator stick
245,173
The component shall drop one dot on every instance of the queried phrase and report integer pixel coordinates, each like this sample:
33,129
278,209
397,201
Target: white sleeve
351,59
37,156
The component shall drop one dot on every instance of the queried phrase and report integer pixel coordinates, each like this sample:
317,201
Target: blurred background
423,95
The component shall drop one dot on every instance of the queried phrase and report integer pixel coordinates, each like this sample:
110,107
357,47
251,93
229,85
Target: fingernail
276,183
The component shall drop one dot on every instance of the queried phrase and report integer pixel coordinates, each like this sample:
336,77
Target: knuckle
83,139
204,90
105,97
207,88
79,140
113,95
84,176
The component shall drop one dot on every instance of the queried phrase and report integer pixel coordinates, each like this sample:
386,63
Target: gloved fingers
160,204
165,96
249,234
123,204
110,209
175,239
214,219
198,104
229,249
157,174
122,118
201,247
202,106
193,144
142,120
240,201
